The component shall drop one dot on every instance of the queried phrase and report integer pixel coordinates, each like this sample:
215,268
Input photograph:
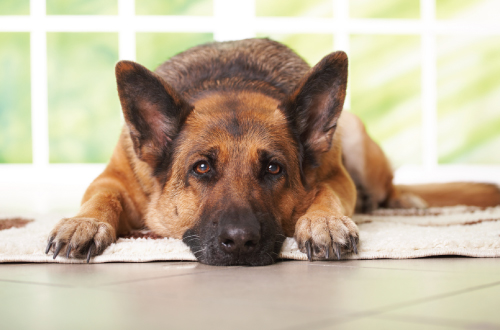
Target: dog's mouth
218,250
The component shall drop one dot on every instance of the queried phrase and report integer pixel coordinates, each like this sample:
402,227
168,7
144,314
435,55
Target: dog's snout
236,239
236,235
239,231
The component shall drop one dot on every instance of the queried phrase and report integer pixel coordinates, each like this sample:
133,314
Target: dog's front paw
80,237
320,233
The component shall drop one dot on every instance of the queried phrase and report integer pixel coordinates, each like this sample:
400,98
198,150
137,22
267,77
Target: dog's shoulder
256,64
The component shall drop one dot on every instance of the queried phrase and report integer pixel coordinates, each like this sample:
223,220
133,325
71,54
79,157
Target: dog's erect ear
153,111
314,107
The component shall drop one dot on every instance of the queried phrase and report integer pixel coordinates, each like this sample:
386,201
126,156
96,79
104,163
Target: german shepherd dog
234,146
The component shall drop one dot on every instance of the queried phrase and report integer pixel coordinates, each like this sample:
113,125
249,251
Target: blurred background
424,75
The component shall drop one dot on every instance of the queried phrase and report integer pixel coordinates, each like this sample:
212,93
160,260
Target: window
423,74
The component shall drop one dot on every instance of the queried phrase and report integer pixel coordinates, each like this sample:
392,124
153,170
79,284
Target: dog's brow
210,153
267,155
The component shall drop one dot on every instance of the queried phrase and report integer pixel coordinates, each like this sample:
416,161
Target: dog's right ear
153,111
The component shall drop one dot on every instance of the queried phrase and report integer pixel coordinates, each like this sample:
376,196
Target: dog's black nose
239,231
235,239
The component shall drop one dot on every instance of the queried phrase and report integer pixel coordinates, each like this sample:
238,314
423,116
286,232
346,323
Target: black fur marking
204,243
313,109
154,113
268,180
233,127
210,156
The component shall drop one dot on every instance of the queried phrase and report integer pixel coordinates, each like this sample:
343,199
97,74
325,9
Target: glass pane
384,8
310,8
476,10
15,98
469,100
82,7
84,111
385,93
14,7
311,47
174,7
155,48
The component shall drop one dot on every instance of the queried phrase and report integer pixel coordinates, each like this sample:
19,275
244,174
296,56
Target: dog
234,146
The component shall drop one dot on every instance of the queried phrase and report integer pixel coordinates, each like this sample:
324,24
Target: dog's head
233,167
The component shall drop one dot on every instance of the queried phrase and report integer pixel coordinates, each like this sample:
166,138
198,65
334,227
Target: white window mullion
341,25
126,34
341,36
39,90
429,85
234,20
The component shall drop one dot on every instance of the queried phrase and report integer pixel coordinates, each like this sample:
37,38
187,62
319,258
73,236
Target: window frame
226,15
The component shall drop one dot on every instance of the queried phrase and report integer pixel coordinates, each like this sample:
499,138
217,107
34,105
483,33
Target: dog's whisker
191,239
195,236
272,259
201,250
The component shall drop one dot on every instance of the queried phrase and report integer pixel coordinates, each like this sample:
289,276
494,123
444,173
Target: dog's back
271,68
259,65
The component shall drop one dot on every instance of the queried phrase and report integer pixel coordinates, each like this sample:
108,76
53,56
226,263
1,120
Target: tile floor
430,293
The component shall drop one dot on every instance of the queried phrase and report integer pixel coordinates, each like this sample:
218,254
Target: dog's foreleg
96,225
326,227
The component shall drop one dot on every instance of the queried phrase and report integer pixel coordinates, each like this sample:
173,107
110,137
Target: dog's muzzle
236,236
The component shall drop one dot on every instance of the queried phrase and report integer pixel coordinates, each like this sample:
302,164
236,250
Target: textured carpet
397,234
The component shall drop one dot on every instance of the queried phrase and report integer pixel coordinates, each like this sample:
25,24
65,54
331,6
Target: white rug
395,234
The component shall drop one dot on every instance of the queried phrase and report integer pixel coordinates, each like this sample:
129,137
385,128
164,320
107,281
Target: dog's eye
201,167
273,168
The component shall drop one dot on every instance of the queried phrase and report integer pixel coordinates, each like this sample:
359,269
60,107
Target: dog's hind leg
370,169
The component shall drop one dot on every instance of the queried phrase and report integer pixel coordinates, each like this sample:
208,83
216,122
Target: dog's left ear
314,107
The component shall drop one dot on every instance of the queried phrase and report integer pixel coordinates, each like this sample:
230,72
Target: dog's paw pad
80,237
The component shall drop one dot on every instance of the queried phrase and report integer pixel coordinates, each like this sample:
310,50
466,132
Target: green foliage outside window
14,7
311,47
384,9
84,112
310,8
384,81
79,7
15,98
174,7
155,48
469,100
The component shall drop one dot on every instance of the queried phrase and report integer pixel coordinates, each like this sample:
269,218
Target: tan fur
454,193
314,206
182,206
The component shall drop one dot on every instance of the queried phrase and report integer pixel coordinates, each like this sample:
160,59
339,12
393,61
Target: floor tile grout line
440,296
364,267
155,278
424,320
106,284
242,303
376,311
38,283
